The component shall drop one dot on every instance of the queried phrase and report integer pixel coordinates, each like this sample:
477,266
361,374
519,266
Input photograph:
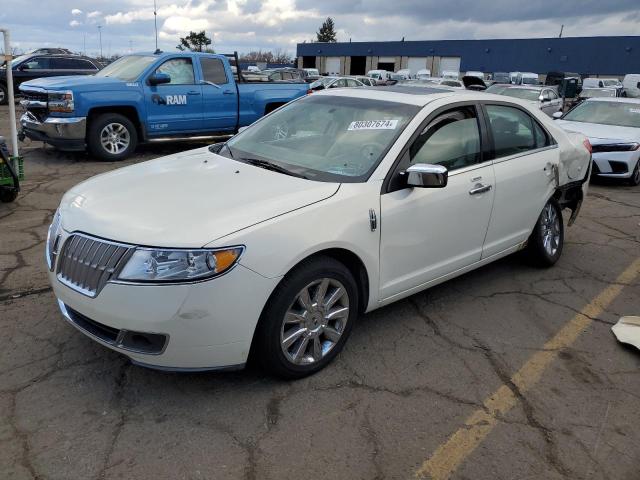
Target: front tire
307,319
635,176
547,239
4,95
112,137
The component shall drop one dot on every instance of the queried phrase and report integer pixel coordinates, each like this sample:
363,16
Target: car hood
599,133
184,200
76,82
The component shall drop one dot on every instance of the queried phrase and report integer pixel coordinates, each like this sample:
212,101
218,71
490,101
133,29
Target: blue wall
595,55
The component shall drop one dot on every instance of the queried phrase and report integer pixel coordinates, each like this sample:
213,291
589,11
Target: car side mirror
557,115
543,99
159,79
424,175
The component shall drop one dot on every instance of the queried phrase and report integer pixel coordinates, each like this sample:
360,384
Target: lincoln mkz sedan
270,245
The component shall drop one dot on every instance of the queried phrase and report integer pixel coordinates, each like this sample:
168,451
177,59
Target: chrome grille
86,264
53,237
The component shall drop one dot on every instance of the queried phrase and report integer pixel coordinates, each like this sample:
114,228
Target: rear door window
514,131
213,71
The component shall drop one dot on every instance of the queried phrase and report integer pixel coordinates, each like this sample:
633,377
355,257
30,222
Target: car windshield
127,68
312,71
597,92
522,93
610,83
321,82
323,137
529,81
375,75
621,114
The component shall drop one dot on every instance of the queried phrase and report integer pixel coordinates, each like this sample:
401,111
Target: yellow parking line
448,456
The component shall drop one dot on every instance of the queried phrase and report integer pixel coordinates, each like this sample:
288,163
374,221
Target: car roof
530,87
418,96
616,99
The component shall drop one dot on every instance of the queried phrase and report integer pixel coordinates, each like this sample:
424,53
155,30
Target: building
584,55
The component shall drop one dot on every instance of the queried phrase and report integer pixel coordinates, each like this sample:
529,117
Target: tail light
309,92
587,145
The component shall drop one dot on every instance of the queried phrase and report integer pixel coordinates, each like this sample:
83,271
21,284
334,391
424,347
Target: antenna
100,34
561,29
155,22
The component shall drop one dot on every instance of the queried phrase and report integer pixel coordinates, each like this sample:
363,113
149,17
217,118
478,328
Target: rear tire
547,239
112,137
635,176
320,329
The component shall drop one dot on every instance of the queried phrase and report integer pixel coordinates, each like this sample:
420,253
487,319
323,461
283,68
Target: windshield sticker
373,125
634,110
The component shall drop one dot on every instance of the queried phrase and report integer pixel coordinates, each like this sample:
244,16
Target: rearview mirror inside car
159,78
557,115
424,175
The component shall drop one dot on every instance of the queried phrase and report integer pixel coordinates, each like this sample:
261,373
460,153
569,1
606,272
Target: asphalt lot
508,372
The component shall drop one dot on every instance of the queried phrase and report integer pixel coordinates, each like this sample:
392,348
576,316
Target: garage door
449,64
333,65
416,63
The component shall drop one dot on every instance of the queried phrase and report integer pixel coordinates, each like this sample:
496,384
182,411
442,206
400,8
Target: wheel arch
126,110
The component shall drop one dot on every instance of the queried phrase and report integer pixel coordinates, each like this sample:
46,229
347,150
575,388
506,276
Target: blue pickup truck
143,97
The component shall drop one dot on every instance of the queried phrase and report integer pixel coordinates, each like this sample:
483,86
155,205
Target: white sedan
336,204
613,128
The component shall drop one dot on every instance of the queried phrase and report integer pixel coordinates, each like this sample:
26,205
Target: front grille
34,96
614,147
86,264
53,237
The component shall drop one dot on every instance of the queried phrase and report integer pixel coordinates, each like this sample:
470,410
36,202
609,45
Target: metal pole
12,105
155,22
100,35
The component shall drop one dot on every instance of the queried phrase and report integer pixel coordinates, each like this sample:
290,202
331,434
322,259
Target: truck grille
35,102
34,96
86,263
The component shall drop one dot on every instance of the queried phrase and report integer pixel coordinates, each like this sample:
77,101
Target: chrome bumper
54,128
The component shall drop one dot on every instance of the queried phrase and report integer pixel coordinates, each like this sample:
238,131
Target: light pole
155,22
100,36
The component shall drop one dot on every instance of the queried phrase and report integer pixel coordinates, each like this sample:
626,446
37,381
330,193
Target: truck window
213,71
179,69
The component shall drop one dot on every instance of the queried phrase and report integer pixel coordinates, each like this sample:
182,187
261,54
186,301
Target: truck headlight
155,265
60,101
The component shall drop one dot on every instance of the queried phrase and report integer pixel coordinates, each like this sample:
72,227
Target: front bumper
207,325
65,133
615,164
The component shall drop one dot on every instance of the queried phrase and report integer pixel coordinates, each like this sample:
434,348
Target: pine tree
327,31
196,42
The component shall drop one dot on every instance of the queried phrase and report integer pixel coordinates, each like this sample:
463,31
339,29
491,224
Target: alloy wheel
550,230
115,138
315,321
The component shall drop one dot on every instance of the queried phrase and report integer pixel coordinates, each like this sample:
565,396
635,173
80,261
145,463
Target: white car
545,98
613,128
631,84
423,74
333,205
335,82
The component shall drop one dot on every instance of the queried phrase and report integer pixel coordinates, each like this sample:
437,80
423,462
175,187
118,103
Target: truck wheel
4,96
112,137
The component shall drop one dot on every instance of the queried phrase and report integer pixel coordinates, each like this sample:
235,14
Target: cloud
245,25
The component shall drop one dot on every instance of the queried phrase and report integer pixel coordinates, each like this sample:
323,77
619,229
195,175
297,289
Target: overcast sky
246,25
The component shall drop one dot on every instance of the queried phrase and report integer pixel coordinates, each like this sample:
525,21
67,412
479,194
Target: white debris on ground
627,330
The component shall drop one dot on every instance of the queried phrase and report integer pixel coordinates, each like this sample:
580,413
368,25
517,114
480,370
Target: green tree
327,32
196,42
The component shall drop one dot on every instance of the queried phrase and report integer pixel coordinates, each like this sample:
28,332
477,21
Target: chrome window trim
524,154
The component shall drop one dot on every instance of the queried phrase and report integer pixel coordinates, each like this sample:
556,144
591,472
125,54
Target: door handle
228,92
479,188
193,92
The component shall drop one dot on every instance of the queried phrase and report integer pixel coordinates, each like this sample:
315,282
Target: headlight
60,101
172,265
